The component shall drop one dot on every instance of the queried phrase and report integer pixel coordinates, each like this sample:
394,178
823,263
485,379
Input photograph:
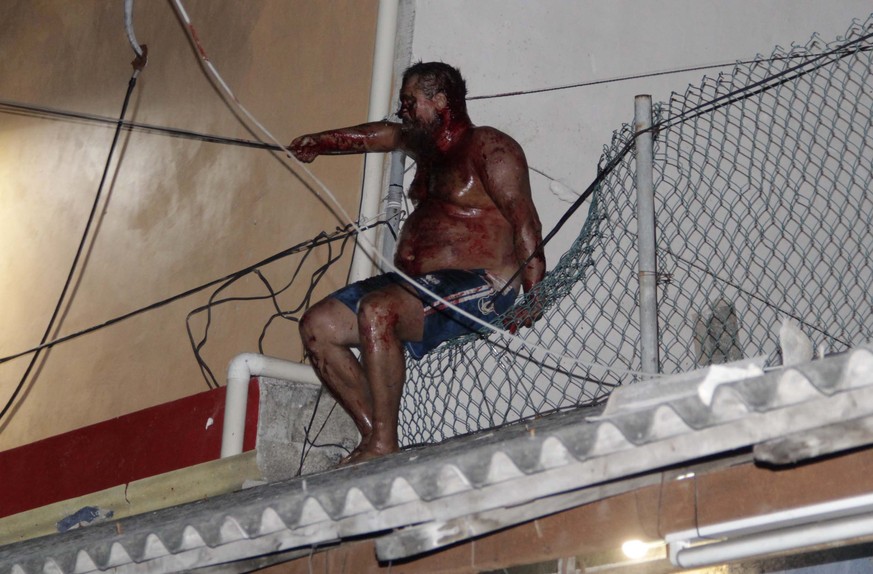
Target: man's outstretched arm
369,137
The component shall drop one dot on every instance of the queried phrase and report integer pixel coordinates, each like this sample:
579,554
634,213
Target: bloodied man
474,225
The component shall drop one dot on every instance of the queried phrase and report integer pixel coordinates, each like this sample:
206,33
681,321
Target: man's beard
421,135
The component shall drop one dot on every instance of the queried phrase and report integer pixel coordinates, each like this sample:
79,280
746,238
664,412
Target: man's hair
439,77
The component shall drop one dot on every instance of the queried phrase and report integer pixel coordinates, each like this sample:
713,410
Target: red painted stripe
145,443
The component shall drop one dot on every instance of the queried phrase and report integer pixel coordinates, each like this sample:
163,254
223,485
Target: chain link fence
764,212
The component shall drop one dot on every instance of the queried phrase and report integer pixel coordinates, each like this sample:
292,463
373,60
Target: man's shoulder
488,136
489,132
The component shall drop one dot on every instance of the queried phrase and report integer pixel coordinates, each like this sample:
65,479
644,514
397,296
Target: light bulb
635,549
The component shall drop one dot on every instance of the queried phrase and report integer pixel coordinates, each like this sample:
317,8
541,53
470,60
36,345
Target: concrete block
301,430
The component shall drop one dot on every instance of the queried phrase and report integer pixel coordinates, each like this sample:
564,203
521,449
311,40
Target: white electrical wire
128,26
372,251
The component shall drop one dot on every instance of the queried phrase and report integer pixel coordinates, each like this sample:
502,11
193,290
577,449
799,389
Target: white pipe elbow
239,372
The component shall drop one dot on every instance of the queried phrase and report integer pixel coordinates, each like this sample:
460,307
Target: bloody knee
307,327
327,324
378,317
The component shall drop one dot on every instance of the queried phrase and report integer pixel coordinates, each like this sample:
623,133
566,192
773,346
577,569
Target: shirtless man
473,227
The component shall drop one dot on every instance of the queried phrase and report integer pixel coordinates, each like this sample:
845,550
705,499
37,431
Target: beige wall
175,213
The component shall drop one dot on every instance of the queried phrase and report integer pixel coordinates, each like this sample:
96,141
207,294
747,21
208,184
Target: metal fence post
393,207
646,234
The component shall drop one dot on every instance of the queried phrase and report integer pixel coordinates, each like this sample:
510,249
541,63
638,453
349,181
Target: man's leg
329,329
370,393
386,318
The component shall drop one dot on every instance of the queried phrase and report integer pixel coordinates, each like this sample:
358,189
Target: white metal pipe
380,100
646,234
771,542
240,371
793,528
393,205
397,170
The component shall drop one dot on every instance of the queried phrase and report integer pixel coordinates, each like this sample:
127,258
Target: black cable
638,77
51,324
592,187
272,294
608,81
765,84
306,300
305,245
309,444
49,113
211,380
197,346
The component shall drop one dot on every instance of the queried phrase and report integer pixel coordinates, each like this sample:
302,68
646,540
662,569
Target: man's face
417,111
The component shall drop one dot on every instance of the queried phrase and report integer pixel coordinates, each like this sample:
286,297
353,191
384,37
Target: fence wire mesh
764,212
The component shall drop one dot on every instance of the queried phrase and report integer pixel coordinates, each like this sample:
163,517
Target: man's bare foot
363,453
355,457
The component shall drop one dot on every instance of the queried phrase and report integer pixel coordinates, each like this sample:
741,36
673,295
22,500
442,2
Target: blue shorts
470,290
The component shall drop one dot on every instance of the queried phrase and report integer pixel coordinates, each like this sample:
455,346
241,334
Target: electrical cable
284,253
765,84
664,125
309,444
138,63
43,112
128,28
32,110
635,77
316,276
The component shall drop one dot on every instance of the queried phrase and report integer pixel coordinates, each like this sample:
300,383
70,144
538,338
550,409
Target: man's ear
440,101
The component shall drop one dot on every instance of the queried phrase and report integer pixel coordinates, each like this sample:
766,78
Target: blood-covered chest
454,182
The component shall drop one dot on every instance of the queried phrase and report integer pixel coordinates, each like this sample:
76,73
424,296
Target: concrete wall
515,45
175,213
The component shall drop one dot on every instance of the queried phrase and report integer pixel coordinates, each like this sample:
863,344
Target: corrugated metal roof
431,491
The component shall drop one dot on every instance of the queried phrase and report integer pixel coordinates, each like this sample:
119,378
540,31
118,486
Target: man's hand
304,148
524,315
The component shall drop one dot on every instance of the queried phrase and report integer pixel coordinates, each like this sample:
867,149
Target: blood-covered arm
369,137
506,179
